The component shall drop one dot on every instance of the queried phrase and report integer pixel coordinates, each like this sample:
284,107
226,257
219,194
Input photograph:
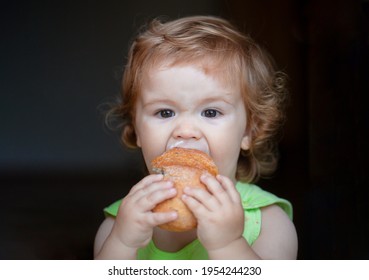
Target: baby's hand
218,211
135,221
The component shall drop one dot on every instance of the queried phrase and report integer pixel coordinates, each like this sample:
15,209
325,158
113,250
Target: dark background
59,166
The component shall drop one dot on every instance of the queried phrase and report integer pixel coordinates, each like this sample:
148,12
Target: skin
183,106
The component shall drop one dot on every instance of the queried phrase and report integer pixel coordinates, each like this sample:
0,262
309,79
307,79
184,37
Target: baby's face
183,107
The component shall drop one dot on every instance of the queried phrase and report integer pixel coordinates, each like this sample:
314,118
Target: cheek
144,135
226,148
149,132
152,140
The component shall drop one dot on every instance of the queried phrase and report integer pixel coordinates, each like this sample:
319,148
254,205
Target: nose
187,128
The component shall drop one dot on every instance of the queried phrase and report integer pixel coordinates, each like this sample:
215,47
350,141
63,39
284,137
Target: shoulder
112,209
254,197
278,237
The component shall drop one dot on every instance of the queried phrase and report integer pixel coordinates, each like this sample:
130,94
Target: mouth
196,145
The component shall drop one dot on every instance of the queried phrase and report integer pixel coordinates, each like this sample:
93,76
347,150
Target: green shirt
253,199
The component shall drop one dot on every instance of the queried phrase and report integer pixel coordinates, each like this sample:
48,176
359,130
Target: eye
166,113
210,113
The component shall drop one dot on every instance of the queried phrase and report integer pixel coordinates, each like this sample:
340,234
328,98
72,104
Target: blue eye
166,113
210,113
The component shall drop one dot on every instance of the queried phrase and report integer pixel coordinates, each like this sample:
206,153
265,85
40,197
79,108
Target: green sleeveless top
253,199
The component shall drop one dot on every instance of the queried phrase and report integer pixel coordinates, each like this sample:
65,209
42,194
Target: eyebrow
157,100
218,98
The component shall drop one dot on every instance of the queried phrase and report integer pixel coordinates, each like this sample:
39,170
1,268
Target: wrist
125,240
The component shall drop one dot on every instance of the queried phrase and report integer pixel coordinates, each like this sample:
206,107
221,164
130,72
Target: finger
197,208
216,188
229,187
160,218
148,180
150,200
149,189
203,197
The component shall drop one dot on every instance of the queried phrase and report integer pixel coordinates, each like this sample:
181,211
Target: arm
277,240
220,211
108,247
278,237
120,238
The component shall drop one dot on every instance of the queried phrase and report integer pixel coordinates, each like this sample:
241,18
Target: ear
138,141
245,142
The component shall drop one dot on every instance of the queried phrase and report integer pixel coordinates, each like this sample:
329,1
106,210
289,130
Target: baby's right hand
135,221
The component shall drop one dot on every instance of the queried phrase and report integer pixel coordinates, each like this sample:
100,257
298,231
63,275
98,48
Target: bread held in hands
184,167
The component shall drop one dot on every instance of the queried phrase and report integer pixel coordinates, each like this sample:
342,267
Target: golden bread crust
184,167
186,157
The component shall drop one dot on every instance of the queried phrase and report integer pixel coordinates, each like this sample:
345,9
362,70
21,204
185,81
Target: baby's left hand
218,211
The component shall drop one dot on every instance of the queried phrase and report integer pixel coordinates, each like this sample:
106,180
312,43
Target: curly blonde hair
219,49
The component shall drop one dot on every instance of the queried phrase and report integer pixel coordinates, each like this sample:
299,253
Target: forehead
224,75
187,77
186,85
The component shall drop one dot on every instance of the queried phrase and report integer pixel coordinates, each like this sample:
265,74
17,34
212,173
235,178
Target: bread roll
184,167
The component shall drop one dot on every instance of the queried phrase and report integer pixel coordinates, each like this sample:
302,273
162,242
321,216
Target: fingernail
172,190
169,184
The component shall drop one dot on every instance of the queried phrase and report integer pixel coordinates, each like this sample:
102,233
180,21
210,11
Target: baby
198,83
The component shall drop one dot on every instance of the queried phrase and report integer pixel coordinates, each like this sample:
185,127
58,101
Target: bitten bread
184,167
